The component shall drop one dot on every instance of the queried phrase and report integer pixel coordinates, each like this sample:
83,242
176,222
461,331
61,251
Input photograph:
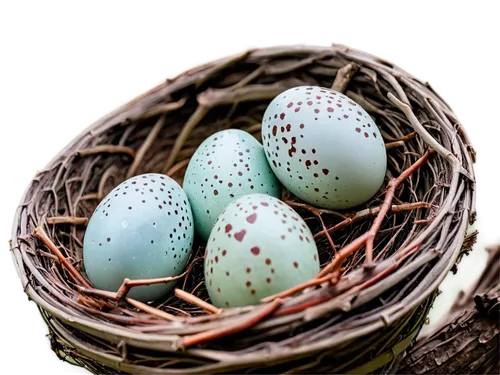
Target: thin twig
297,288
108,173
106,149
188,297
90,196
177,167
396,144
67,220
317,212
146,145
372,212
160,110
129,284
314,210
137,304
253,128
246,322
431,141
344,76
151,310
41,235
368,237
194,119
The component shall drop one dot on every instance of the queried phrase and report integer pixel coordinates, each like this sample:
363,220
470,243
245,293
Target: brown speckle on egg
251,219
240,235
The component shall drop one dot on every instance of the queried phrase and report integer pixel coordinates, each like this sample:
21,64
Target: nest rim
447,258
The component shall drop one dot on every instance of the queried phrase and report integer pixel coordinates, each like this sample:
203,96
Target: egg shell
227,165
259,246
143,229
324,147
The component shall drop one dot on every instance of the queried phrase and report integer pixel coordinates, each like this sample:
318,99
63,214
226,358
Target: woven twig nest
359,319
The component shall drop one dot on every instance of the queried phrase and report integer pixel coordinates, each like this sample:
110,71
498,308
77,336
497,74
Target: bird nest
381,262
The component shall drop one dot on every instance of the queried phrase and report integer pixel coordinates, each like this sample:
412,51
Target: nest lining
415,226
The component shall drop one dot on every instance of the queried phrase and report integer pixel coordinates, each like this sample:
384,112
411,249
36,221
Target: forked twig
368,237
353,286
372,212
137,304
129,284
317,212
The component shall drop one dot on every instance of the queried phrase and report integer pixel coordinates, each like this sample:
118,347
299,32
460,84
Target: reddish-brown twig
138,305
67,220
368,237
406,137
302,306
89,302
297,288
190,268
188,297
353,288
245,323
317,212
151,310
129,284
424,221
77,277
372,212
314,210
391,145
387,271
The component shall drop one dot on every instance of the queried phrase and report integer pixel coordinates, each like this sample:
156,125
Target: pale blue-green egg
143,229
226,166
324,147
259,246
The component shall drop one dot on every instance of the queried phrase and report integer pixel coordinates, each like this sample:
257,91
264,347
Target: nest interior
361,319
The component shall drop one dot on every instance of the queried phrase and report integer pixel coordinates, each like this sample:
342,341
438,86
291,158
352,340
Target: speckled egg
324,147
143,229
259,246
226,166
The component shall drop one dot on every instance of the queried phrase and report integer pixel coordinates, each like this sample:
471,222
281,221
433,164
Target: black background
61,81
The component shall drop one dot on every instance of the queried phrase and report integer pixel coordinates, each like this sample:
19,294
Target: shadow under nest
351,323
